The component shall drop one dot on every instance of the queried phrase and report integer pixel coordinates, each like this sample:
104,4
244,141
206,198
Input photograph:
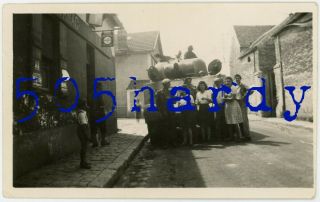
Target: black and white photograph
160,95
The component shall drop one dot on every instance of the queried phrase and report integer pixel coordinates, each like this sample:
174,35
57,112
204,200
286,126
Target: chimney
121,41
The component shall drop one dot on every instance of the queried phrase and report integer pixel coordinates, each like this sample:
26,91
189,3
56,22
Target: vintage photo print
160,100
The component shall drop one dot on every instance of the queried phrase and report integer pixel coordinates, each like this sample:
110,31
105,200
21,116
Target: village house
254,63
48,47
135,53
293,46
292,43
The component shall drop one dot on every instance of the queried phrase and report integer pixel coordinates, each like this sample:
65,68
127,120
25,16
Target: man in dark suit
167,120
98,111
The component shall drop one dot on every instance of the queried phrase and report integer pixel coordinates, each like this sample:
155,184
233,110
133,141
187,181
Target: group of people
230,123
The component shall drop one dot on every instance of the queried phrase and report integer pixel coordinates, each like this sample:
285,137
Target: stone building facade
284,56
294,53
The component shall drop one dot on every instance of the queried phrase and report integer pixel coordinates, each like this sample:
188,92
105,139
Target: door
90,74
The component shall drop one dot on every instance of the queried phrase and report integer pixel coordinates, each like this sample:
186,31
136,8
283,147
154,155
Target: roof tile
248,34
142,41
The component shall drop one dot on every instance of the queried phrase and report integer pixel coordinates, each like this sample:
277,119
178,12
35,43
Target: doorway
90,74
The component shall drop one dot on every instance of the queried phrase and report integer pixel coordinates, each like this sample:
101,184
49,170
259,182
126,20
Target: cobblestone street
107,162
278,156
269,160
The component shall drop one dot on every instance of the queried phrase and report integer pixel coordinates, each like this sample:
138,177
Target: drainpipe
281,76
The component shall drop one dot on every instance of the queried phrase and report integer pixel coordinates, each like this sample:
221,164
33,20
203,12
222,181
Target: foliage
47,116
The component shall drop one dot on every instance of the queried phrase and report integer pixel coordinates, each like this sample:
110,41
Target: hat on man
186,79
164,81
217,79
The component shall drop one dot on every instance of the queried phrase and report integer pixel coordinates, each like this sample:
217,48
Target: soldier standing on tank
167,119
190,54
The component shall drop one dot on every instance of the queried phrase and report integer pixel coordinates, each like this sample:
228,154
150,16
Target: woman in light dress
242,90
233,113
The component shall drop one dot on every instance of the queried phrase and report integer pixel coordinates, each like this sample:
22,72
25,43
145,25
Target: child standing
138,113
83,133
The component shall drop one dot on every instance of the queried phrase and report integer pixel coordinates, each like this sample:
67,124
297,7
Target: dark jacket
190,55
161,100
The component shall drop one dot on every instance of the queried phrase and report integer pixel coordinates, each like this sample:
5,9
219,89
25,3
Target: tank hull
180,69
179,82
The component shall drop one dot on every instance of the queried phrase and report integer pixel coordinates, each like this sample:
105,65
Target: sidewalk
107,162
275,120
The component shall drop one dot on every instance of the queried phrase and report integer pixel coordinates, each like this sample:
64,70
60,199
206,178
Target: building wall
31,151
296,59
252,67
247,67
267,56
234,55
267,60
127,66
21,47
250,73
53,142
76,62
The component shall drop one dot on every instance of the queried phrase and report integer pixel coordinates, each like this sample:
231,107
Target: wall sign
107,39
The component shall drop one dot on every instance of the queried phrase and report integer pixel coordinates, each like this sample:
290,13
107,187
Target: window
50,54
64,73
36,73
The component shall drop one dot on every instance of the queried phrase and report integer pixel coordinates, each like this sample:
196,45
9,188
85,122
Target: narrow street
86,84
278,156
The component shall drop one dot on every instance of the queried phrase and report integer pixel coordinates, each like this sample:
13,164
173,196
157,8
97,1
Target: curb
309,126
110,175
126,163
291,125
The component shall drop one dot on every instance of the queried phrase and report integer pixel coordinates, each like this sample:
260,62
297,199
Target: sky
208,27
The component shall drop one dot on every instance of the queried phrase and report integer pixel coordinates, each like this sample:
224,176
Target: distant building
135,52
253,61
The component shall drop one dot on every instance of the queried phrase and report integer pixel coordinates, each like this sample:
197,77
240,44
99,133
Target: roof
289,21
276,30
139,84
142,41
116,20
248,34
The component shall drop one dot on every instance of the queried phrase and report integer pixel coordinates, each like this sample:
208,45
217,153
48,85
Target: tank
156,73
192,67
174,70
214,67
